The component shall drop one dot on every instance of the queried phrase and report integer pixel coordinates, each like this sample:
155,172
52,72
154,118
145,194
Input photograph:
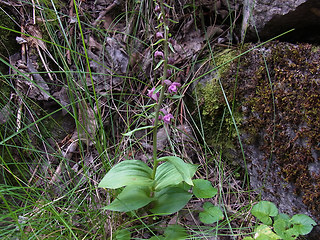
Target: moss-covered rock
274,92
218,124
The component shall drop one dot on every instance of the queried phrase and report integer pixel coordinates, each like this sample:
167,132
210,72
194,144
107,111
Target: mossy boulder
274,94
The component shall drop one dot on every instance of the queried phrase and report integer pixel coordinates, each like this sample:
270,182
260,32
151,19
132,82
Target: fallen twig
108,9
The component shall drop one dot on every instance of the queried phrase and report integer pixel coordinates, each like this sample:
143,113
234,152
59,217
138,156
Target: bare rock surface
271,18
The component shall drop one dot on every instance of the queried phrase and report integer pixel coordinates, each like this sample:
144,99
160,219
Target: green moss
223,57
211,93
217,122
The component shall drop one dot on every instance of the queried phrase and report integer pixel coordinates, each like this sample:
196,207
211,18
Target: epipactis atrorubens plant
164,188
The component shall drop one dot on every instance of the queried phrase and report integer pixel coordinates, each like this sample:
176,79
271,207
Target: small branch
108,9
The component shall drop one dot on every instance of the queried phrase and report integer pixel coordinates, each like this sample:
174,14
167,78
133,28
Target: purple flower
157,8
158,54
163,111
167,118
159,35
173,88
154,96
167,82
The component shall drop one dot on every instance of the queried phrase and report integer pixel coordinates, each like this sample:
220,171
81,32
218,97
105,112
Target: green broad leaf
282,227
131,198
127,173
167,175
210,213
186,170
203,188
175,232
137,129
264,232
289,234
302,223
263,210
283,216
184,186
123,234
248,238
170,200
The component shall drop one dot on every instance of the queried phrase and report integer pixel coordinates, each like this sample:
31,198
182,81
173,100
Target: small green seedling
279,226
204,189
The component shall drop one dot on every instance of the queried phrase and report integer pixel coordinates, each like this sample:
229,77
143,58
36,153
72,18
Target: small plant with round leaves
277,225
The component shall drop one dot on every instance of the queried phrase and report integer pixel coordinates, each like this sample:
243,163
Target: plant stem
162,91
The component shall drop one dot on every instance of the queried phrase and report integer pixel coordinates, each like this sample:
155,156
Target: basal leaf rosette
166,191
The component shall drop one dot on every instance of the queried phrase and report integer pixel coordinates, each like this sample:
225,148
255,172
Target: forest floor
74,80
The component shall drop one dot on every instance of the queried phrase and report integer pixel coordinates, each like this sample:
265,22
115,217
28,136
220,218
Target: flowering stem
162,91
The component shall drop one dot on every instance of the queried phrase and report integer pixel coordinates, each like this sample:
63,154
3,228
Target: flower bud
173,88
167,118
157,8
159,35
167,82
158,54
154,96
